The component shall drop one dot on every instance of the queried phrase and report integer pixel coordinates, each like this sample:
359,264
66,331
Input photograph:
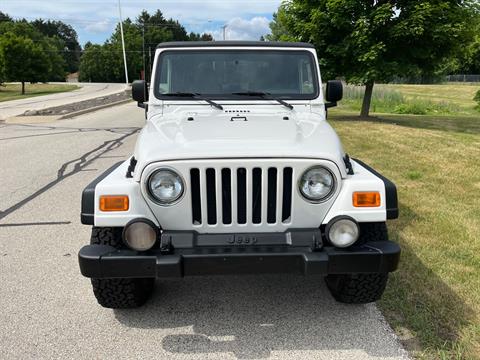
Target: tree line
369,41
104,63
45,50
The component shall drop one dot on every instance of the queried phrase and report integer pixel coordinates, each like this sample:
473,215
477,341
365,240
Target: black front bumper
193,254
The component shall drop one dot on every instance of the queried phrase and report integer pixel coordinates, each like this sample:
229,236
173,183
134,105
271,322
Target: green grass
13,91
445,99
433,300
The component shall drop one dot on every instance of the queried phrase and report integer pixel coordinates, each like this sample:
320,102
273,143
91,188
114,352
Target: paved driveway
87,91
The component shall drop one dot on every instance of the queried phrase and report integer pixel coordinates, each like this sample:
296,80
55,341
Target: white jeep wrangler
237,171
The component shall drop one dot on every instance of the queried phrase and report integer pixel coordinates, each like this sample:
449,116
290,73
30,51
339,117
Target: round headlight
140,234
342,231
165,186
317,183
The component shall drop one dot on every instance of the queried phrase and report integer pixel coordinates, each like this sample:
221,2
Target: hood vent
236,111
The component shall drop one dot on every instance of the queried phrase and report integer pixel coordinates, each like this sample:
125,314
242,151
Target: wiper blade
195,96
265,95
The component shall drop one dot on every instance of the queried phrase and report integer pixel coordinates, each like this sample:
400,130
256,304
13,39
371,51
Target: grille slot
211,198
196,202
242,196
272,196
257,195
287,194
227,196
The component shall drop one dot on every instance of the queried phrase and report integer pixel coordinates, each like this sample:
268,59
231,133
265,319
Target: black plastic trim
100,261
131,167
184,44
87,214
390,192
348,164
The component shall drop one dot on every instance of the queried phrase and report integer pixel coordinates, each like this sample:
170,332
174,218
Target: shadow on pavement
252,316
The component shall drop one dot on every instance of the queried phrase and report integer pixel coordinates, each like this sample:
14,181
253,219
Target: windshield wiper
264,95
194,96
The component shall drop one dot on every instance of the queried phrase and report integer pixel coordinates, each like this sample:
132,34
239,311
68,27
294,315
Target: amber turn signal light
114,203
366,199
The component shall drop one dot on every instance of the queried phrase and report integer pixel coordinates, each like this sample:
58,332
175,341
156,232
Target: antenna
123,42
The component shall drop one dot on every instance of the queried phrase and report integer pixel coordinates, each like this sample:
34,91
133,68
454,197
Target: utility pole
123,42
224,27
149,63
143,53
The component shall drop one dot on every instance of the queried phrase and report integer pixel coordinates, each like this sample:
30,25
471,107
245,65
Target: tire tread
118,293
361,288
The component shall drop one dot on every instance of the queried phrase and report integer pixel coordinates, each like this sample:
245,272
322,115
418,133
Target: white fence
463,78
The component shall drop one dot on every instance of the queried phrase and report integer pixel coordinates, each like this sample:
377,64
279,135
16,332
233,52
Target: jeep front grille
239,195
257,195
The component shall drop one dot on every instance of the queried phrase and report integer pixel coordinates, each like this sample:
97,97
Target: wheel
360,288
357,288
373,232
118,293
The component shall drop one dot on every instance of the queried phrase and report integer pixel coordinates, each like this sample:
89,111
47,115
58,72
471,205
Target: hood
232,134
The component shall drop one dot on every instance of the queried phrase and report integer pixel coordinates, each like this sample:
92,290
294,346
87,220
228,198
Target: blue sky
95,20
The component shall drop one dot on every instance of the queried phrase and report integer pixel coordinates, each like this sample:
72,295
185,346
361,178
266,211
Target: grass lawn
433,300
13,91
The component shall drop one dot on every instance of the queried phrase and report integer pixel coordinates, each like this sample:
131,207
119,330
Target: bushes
424,107
387,100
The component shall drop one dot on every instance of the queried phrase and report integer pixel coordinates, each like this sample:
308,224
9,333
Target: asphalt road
48,309
86,91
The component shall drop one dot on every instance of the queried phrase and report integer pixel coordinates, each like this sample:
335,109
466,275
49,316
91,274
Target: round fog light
342,231
140,235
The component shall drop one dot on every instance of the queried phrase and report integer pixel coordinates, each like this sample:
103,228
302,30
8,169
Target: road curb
92,109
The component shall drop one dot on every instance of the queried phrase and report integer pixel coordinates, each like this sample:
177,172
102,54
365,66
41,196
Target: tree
23,60
70,46
5,17
51,49
101,63
372,41
469,61
278,27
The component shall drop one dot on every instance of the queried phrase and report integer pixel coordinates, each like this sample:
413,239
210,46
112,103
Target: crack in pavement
37,223
68,130
78,165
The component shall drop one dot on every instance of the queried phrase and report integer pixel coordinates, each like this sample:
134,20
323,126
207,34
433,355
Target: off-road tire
118,293
361,288
357,288
373,232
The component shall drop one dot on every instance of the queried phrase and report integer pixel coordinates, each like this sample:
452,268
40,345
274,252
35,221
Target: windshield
236,74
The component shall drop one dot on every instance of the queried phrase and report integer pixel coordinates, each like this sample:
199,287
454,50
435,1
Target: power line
104,21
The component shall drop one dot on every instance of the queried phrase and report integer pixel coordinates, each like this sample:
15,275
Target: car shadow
251,316
462,124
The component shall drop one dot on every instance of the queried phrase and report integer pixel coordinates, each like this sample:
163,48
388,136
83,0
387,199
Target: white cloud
243,29
98,27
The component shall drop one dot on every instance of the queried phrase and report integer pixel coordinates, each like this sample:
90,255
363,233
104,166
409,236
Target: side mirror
140,92
334,93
